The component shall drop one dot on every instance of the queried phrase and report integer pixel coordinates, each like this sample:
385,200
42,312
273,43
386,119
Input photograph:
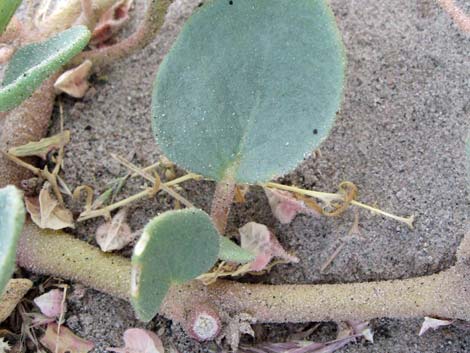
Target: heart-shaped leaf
249,88
175,247
7,10
33,63
12,216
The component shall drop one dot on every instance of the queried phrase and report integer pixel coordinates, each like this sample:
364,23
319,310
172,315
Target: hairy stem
71,12
446,294
26,123
221,203
154,18
459,17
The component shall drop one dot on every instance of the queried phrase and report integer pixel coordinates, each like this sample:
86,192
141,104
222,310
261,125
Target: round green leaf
7,10
34,63
12,216
249,88
175,247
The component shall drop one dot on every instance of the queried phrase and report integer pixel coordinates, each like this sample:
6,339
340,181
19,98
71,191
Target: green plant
34,63
12,216
239,101
7,10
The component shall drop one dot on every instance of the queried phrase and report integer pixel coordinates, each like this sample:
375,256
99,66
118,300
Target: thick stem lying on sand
446,294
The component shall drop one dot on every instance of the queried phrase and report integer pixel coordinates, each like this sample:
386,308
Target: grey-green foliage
175,247
249,88
34,63
229,251
12,216
7,10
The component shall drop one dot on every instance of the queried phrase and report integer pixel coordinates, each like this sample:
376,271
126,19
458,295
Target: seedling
249,89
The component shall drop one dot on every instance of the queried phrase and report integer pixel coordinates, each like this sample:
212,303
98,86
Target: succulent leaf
12,215
229,251
175,247
34,63
7,10
249,88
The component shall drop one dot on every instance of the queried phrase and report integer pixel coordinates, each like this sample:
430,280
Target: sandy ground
399,138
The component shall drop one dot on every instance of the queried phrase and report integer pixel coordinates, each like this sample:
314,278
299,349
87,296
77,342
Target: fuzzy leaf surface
12,214
175,247
7,10
229,251
249,88
34,63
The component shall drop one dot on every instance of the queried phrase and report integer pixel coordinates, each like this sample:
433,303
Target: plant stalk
148,29
221,203
446,294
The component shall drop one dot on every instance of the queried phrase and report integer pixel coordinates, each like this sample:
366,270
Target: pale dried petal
284,206
6,52
433,323
258,239
137,340
50,303
65,340
46,211
74,82
111,22
115,234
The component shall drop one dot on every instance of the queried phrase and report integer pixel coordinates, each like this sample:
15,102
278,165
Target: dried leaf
50,303
137,340
284,206
74,82
433,323
115,234
6,52
4,346
358,328
14,292
258,239
64,340
46,211
111,22
42,147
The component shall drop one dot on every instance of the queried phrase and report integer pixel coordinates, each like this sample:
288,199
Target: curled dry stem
345,197
149,192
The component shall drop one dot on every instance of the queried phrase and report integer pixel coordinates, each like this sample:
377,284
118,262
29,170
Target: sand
400,138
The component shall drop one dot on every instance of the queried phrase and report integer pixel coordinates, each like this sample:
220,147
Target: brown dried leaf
50,303
115,234
258,239
111,22
430,322
46,211
42,147
284,206
74,82
64,340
